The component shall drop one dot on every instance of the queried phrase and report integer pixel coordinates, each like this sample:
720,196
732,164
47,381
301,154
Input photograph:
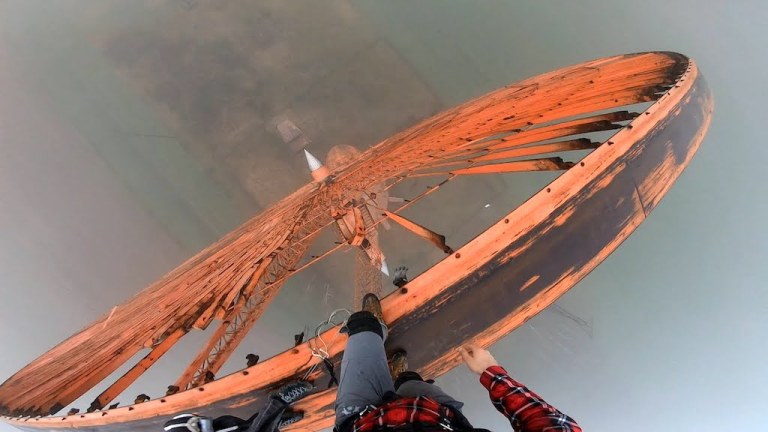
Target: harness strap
331,372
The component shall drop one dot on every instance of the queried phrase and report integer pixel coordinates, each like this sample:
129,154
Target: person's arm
526,411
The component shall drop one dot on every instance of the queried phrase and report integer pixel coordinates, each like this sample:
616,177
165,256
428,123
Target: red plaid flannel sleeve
526,410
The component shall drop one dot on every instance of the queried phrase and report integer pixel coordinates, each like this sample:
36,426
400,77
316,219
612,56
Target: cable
317,346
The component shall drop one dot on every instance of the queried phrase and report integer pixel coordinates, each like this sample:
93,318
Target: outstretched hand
477,359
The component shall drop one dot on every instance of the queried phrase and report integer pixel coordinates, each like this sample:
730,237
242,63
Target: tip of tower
313,162
384,267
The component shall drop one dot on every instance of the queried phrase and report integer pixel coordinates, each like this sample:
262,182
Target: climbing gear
298,339
292,391
192,423
331,373
319,348
251,360
290,417
400,278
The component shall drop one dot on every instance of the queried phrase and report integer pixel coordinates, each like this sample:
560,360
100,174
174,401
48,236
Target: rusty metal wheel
618,130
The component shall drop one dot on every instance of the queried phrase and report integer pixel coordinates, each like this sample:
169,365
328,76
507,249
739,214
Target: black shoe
293,391
290,417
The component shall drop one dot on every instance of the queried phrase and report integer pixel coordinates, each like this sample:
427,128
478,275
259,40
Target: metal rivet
403,290
201,389
458,255
549,190
506,220
245,372
162,400
582,164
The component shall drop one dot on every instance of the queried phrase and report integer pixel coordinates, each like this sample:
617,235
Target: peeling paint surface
591,209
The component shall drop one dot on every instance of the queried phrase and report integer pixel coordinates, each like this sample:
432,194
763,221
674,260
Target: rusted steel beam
485,155
581,125
555,147
367,277
542,164
136,371
436,239
226,338
262,287
199,365
99,350
555,131
621,182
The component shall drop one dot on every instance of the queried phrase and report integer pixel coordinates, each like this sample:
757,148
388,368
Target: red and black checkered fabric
526,411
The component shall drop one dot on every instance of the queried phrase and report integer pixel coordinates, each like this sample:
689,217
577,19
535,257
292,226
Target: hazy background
115,166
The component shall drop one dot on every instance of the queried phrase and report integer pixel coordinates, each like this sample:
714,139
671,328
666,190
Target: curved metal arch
511,271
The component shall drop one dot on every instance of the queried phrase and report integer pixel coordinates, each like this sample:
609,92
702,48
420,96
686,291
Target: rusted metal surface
136,371
436,239
258,291
510,272
368,261
369,258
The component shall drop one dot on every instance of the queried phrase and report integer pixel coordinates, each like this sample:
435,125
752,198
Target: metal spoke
544,164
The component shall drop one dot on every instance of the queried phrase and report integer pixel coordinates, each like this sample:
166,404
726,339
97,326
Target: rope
319,348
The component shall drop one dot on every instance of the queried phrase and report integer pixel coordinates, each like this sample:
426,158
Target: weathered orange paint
551,241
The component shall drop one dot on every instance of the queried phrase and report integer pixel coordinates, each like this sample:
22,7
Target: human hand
476,358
